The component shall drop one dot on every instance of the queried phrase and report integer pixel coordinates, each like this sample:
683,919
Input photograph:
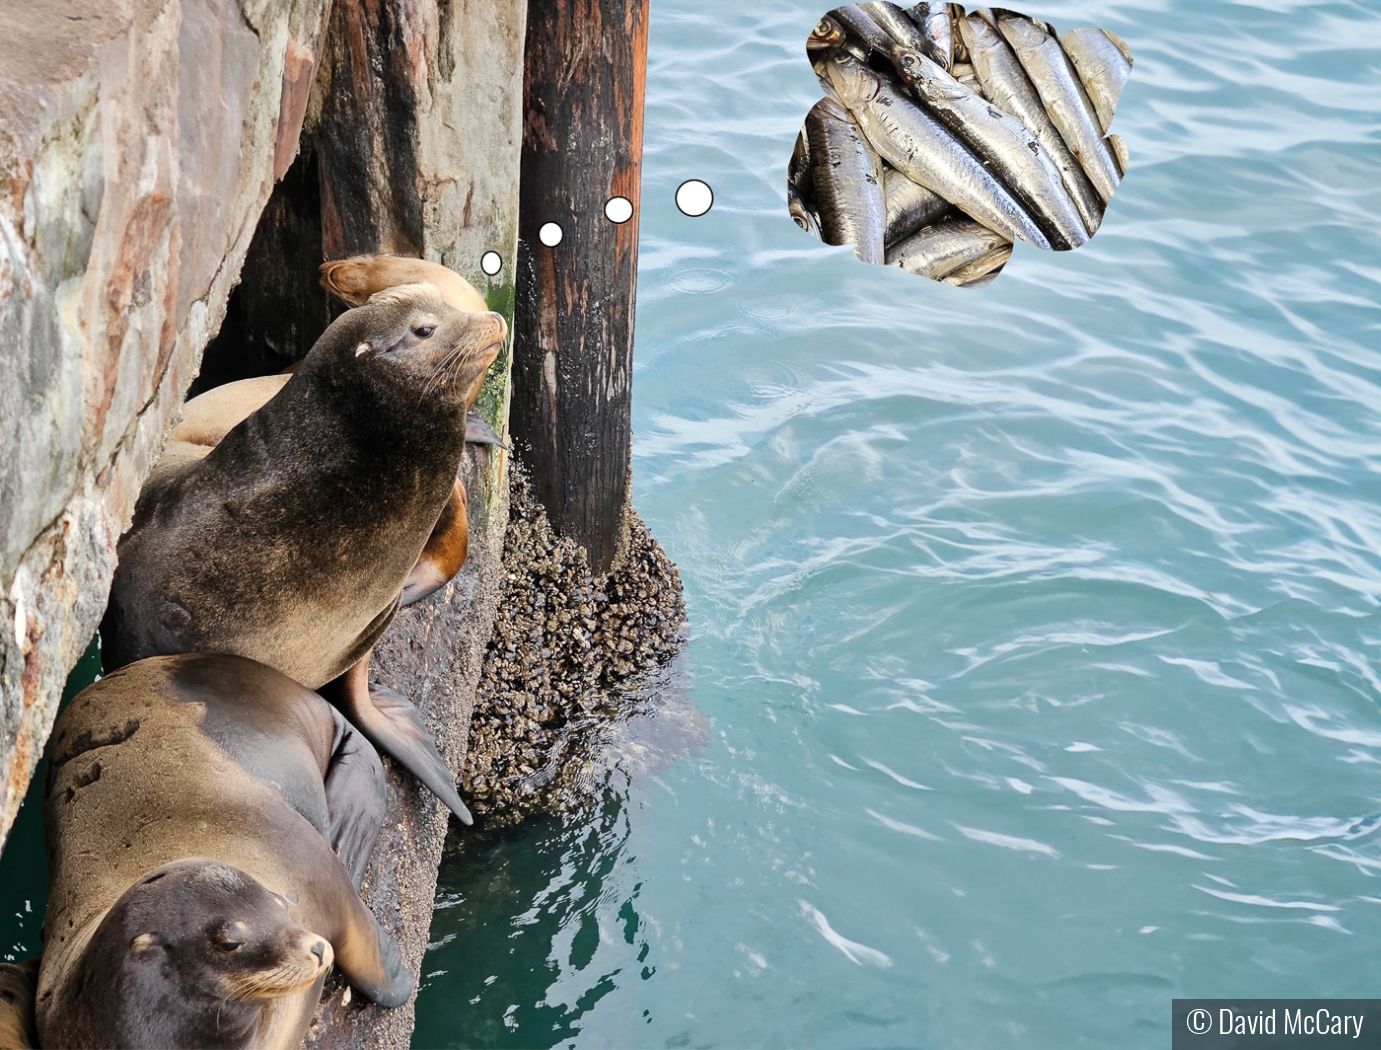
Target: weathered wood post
584,71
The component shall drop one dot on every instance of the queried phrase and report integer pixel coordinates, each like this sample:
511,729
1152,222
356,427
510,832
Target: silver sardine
798,173
937,251
848,181
933,20
901,29
909,205
862,28
801,214
964,73
1103,63
982,271
1006,85
1001,142
918,145
1064,97
1119,152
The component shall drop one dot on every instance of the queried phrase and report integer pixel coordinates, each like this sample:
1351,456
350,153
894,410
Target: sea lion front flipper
370,960
395,727
355,797
18,983
479,432
367,956
444,553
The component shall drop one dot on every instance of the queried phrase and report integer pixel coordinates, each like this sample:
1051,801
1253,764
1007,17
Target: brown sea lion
17,1005
354,280
293,539
207,823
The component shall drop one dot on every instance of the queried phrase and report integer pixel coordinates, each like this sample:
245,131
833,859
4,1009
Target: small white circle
618,209
490,263
549,234
694,197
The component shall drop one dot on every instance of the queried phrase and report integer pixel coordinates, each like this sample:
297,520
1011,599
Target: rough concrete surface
431,653
130,182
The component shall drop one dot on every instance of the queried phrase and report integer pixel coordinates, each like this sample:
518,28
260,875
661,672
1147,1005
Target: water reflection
23,872
534,925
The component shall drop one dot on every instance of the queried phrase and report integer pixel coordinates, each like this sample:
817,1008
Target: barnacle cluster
564,661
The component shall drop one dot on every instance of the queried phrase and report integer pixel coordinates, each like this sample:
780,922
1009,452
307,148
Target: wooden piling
585,66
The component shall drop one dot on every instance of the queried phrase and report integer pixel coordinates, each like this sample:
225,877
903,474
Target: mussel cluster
944,136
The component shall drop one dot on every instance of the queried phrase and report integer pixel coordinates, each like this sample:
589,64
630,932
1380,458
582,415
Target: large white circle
694,197
549,234
490,263
618,209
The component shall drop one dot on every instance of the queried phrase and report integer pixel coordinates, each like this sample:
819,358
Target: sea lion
293,539
207,823
17,1005
355,279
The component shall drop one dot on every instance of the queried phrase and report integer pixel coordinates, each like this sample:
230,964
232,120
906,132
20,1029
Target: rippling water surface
1037,624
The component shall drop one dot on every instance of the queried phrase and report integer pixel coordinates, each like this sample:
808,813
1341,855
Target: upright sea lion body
291,540
193,813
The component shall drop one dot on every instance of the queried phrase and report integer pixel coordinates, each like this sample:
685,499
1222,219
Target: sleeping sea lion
293,539
207,823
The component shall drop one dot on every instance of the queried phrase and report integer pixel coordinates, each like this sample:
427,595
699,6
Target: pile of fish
945,136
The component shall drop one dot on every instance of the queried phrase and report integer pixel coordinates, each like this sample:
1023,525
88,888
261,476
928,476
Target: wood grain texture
583,82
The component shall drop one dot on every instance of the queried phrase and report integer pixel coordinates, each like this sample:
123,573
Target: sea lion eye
424,331
230,938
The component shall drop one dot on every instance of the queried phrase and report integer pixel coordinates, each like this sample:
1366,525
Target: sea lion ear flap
142,943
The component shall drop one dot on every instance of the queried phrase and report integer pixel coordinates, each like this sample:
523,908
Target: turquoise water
1037,624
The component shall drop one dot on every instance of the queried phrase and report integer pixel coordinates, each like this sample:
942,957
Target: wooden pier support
584,71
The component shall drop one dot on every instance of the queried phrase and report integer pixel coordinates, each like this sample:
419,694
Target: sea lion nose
500,324
322,951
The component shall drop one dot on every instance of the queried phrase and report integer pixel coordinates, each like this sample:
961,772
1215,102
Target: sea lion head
204,936
409,345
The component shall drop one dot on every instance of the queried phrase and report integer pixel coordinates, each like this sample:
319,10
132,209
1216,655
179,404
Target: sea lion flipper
370,960
445,551
355,797
18,983
479,432
400,983
395,727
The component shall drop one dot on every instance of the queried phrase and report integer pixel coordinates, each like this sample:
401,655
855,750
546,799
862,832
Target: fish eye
424,331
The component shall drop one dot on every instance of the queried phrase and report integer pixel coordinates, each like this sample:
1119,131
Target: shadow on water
23,872
517,954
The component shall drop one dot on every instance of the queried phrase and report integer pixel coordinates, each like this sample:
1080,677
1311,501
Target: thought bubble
549,234
694,197
490,263
618,209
